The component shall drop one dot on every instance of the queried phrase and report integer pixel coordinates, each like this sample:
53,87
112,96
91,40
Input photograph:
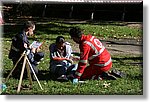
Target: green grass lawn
132,84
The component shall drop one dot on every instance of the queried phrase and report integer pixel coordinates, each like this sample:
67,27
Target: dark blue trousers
33,58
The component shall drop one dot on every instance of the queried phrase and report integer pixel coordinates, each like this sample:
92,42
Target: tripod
27,65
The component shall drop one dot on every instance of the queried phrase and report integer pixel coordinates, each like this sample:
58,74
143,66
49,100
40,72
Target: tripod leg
13,68
34,73
22,72
29,75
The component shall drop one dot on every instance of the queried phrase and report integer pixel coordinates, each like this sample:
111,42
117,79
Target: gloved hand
75,81
3,87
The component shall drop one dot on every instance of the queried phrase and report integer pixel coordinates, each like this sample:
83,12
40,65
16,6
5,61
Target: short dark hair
75,32
28,24
60,39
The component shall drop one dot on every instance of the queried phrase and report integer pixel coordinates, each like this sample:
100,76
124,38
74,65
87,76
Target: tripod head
26,51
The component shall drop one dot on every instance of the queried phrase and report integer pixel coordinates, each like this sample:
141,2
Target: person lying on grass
61,62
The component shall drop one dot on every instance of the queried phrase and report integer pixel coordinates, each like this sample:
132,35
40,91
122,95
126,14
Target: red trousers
92,70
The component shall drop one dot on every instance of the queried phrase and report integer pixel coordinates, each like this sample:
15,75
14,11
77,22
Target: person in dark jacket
20,43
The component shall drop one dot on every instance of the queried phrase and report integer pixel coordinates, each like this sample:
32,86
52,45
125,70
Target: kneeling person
20,43
93,53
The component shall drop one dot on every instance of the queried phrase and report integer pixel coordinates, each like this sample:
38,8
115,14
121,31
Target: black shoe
117,73
108,76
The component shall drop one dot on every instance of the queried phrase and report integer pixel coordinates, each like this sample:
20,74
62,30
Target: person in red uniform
92,52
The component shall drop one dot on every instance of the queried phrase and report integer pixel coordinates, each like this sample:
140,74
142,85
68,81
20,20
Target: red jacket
92,51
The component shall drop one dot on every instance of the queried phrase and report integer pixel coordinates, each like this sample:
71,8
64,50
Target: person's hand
75,81
76,58
33,50
3,87
69,60
37,49
70,76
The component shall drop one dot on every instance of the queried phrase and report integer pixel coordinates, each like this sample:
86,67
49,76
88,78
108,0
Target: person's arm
84,49
68,50
54,54
22,42
59,58
56,57
51,50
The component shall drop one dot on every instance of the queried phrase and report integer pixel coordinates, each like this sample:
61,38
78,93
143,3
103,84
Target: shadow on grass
53,27
43,75
97,22
123,43
121,60
48,28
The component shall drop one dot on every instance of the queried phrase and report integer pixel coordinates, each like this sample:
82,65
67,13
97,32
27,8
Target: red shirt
92,51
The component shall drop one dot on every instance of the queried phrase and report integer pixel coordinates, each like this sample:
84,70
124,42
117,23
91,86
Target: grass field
132,84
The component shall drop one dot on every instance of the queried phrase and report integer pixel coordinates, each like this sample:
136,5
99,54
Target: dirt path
119,46
124,46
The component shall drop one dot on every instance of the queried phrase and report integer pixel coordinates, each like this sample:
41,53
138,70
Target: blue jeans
62,68
34,59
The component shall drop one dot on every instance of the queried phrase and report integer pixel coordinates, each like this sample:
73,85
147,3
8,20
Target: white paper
36,44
